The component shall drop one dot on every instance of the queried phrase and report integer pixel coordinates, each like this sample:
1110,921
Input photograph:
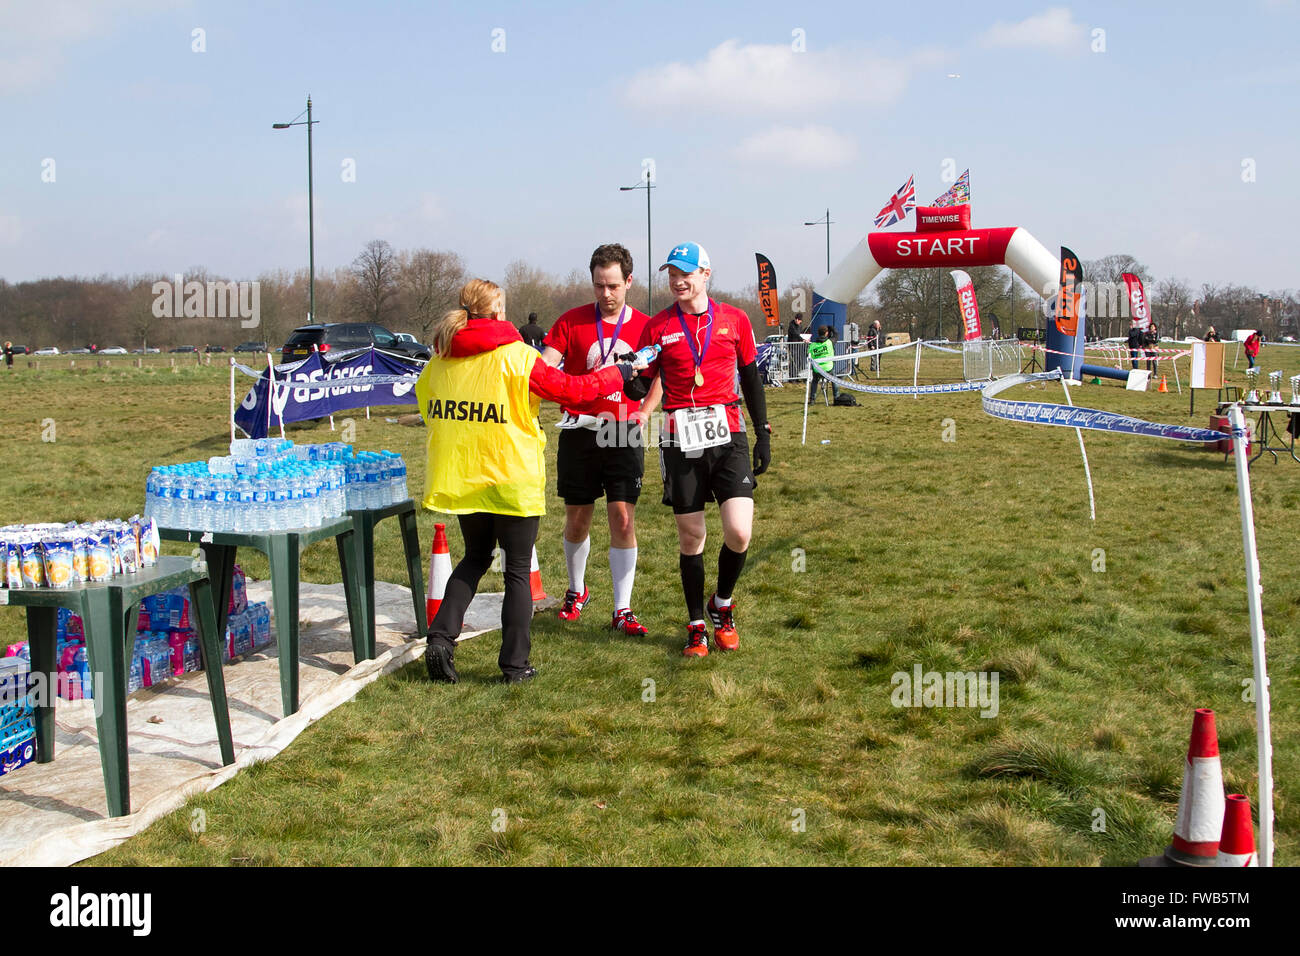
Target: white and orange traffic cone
535,579
1237,845
439,572
1164,385
1200,805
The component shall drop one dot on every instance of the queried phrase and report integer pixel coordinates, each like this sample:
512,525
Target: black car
251,347
345,336
213,349
184,348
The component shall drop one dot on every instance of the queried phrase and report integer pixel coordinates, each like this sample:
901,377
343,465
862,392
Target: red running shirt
732,348
574,336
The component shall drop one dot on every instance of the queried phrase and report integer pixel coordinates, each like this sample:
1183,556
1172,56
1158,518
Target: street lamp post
827,222
311,210
648,183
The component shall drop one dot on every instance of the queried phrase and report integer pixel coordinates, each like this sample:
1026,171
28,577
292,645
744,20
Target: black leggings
482,531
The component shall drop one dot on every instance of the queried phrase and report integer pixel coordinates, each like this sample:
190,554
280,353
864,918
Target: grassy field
888,547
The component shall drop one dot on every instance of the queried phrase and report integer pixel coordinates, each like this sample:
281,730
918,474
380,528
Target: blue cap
687,256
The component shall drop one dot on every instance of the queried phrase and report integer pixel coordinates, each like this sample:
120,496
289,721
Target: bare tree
431,282
375,271
529,289
1174,300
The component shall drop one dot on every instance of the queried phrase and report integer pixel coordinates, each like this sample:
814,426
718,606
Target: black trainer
528,673
438,659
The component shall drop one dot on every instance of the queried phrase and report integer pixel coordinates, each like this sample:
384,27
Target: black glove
762,449
635,385
627,371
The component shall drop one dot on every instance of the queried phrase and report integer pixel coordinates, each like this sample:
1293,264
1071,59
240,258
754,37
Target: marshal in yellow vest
486,446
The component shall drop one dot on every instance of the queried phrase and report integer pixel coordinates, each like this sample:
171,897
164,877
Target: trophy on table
1295,389
1252,383
1275,387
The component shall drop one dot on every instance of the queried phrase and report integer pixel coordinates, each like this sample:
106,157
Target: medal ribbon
698,356
600,333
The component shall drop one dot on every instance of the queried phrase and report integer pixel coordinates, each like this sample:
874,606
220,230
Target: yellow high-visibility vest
485,450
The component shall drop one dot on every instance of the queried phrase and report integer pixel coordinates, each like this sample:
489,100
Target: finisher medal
699,376
697,354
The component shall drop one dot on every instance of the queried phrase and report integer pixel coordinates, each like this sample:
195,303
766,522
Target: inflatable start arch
954,249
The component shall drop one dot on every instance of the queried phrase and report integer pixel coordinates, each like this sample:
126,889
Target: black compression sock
692,569
730,564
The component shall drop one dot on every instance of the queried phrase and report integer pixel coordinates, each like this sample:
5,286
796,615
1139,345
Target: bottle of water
311,503
403,494
259,520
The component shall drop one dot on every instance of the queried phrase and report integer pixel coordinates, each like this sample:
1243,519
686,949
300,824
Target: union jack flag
897,208
958,194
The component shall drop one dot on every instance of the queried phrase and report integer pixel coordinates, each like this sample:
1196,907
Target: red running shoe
573,605
626,622
697,641
724,625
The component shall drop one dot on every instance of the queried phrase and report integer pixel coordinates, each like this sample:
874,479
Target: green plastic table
282,549
363,544
108,612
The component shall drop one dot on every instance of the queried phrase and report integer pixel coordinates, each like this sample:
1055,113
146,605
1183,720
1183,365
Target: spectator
9,356
1134,343
1150,339
532,333
822,352
1252,348
1211,335
874,340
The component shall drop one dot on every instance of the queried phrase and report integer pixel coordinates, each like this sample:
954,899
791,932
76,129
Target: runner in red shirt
704,452
602,451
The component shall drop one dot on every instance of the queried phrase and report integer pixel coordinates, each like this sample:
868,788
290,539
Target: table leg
201,598
104,641
42,636
363,563
221,572
283,557
414,568
351,566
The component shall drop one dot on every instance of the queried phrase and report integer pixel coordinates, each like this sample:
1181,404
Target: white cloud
1053,29
806,147
762,78
155,237
38,37
430,207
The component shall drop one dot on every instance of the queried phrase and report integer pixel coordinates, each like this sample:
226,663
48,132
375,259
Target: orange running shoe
626,622
573,605
724,625
697,641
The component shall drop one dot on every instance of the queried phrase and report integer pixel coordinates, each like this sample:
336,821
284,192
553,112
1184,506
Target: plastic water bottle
311,503
403,493
260,518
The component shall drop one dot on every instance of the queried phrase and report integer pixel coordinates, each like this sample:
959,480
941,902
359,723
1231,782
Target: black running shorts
720,472
585,471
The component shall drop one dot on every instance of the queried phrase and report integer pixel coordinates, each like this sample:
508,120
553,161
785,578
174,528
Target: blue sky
164,158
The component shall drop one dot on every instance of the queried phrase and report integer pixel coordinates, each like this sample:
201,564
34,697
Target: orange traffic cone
1164,385
535,579
1200,805
439,572
1237,845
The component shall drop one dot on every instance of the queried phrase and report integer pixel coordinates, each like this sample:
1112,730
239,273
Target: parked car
82,351
20,350
343,336
50,350
184,348
251,347
213,349
113,350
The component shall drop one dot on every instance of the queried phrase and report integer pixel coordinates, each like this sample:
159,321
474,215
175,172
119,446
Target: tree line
408,290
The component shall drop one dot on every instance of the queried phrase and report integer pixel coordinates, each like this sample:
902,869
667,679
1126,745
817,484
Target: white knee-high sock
575,556
622,568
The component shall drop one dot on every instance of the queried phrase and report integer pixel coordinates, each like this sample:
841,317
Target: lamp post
647,183
827,222
311,218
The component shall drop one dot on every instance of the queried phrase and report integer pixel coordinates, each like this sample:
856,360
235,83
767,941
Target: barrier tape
1066,416
897,389
1122,351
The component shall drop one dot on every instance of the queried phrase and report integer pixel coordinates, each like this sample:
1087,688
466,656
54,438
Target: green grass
969,555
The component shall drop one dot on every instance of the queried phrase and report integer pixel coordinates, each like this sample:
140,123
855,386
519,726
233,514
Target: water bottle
260,519
311,503
644,356
403,494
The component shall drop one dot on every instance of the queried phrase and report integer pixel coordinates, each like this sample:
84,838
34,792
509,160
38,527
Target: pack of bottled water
273,485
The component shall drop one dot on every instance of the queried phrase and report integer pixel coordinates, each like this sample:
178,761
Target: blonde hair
479,299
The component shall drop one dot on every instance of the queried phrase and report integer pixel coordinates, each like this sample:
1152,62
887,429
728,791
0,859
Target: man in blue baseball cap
704,449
